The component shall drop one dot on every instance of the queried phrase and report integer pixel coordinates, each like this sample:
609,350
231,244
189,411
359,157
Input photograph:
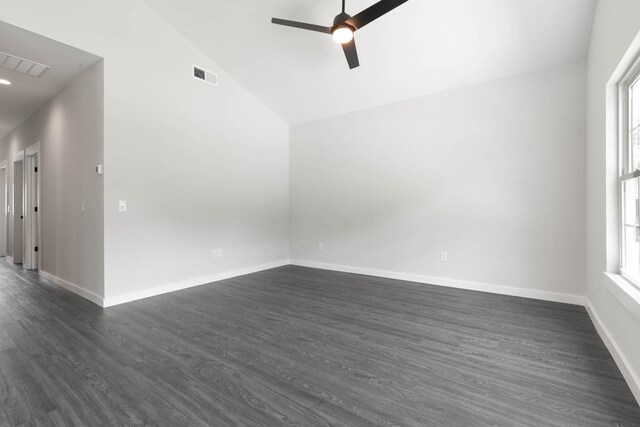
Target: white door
18,214
32,210
3,211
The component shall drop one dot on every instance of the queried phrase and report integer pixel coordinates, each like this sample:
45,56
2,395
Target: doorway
18,208
32,207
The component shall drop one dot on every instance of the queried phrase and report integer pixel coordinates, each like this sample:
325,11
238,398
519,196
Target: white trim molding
94,298
631,377
451,283
32,149
189,283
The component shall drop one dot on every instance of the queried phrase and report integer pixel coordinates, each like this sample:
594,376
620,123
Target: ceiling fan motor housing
342,19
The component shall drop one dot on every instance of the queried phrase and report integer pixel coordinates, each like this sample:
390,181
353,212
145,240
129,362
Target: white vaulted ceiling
423,47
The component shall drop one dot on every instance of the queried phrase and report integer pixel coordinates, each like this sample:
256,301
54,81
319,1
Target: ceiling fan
345,25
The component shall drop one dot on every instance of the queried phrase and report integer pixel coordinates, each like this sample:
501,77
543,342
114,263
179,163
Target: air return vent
21,65
205,75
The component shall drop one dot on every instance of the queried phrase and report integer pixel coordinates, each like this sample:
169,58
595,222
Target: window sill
625,292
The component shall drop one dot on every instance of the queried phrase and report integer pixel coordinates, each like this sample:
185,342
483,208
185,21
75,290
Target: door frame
4,213
32,211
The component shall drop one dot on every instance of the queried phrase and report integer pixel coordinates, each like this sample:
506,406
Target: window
630,174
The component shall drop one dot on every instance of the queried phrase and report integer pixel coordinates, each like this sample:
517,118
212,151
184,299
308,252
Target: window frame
625,172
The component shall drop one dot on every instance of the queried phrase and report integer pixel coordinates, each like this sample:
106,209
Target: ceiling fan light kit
343,33
345,25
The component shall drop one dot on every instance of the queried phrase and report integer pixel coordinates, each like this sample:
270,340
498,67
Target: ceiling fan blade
301,25
374,12
351,53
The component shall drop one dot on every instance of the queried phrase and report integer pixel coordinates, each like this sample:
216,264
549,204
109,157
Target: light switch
122,206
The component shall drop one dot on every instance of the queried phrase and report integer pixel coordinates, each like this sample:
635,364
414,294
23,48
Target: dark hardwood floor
297,346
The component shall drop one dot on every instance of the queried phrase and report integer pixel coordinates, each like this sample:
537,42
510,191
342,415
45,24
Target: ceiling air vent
205,75
21,65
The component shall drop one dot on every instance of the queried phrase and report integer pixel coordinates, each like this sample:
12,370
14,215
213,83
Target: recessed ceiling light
5,82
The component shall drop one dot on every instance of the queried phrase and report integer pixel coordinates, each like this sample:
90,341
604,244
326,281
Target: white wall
615,26
70,130
201,167
493,174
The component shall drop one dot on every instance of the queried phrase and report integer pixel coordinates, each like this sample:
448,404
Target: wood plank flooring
302,347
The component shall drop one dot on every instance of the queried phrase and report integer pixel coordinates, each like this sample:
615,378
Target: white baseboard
451,283
94,298
190,283
632,378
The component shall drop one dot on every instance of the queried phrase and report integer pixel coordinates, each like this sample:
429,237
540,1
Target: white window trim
631,77
611,279
625,172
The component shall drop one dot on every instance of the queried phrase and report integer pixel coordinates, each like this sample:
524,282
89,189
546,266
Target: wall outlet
122,206
321,246
214,254
83,206
219,252
444,257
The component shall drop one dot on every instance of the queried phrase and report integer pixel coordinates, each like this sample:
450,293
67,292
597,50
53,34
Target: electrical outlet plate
321,246
444,257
